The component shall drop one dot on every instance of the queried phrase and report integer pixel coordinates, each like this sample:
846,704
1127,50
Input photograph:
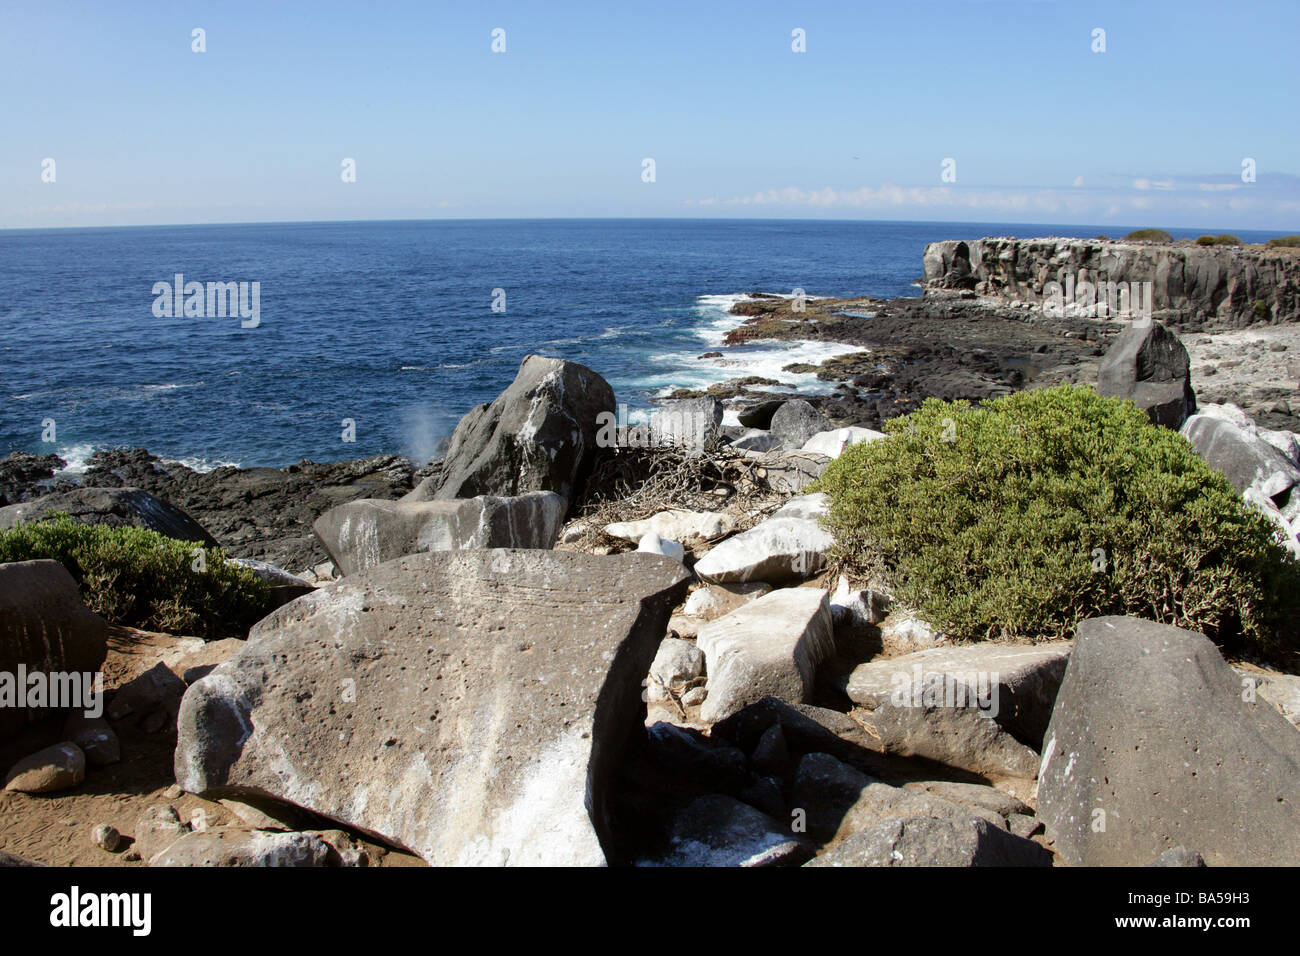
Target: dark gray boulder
796,421
1248,461
116,507
472,706
537,435
1147,363
43,627
1156,743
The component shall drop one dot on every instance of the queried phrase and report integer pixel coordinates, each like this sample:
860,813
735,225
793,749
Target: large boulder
116,507
1248,460
1155,743
771,646
471,706
796,421
1017,683
361,534
45,629
537,435
788,546
959,737
1147,363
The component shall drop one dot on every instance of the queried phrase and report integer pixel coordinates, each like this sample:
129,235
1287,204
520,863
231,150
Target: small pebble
105,837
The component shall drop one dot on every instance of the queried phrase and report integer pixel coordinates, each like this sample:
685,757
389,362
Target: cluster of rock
465,692
1230,286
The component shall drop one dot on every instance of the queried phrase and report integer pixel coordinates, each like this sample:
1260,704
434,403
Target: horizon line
539,219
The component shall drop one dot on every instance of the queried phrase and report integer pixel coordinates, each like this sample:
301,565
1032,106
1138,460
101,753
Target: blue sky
143,130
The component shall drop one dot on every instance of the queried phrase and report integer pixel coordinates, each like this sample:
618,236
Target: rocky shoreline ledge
557,648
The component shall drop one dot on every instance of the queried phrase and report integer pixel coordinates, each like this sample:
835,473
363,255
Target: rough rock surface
796,422
694,424
1222,285
1152,746
1023,681
934,841
54,768
717,830
44,627
361,534
832,443
537,435
235,846
116,507
771,646
469,705
1249,461
675,524
957,736
1147,363
787,546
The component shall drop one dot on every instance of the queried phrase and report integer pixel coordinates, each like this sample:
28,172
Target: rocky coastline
552,648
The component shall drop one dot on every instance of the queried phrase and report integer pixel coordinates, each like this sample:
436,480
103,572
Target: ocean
375,337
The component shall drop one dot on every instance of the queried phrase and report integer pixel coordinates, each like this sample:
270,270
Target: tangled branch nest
630,483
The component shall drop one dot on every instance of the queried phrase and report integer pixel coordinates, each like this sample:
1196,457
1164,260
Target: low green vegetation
1150,235
1024,516
1284,242
1223,240
137,577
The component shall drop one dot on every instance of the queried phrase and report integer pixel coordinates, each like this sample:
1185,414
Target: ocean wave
170,386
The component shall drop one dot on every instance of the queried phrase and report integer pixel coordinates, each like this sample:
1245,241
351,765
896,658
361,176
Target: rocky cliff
1191,286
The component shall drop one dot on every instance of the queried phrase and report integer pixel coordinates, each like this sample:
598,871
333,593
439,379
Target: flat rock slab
471,706
235,846
934,841
771,646
1152,746
362,534
1020,682
788,546
959,737
676,524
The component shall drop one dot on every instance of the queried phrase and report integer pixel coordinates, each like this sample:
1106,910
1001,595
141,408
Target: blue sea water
391,325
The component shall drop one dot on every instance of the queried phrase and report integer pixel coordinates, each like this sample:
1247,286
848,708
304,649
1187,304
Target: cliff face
1215,286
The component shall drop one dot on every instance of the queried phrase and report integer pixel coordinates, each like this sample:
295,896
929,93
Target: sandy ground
55,829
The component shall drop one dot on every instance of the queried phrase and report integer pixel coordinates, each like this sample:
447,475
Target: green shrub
1150,235
1284,242
1223,240
137,577
1263,311
1043,508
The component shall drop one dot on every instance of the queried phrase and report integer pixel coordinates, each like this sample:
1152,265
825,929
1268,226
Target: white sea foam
765,358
